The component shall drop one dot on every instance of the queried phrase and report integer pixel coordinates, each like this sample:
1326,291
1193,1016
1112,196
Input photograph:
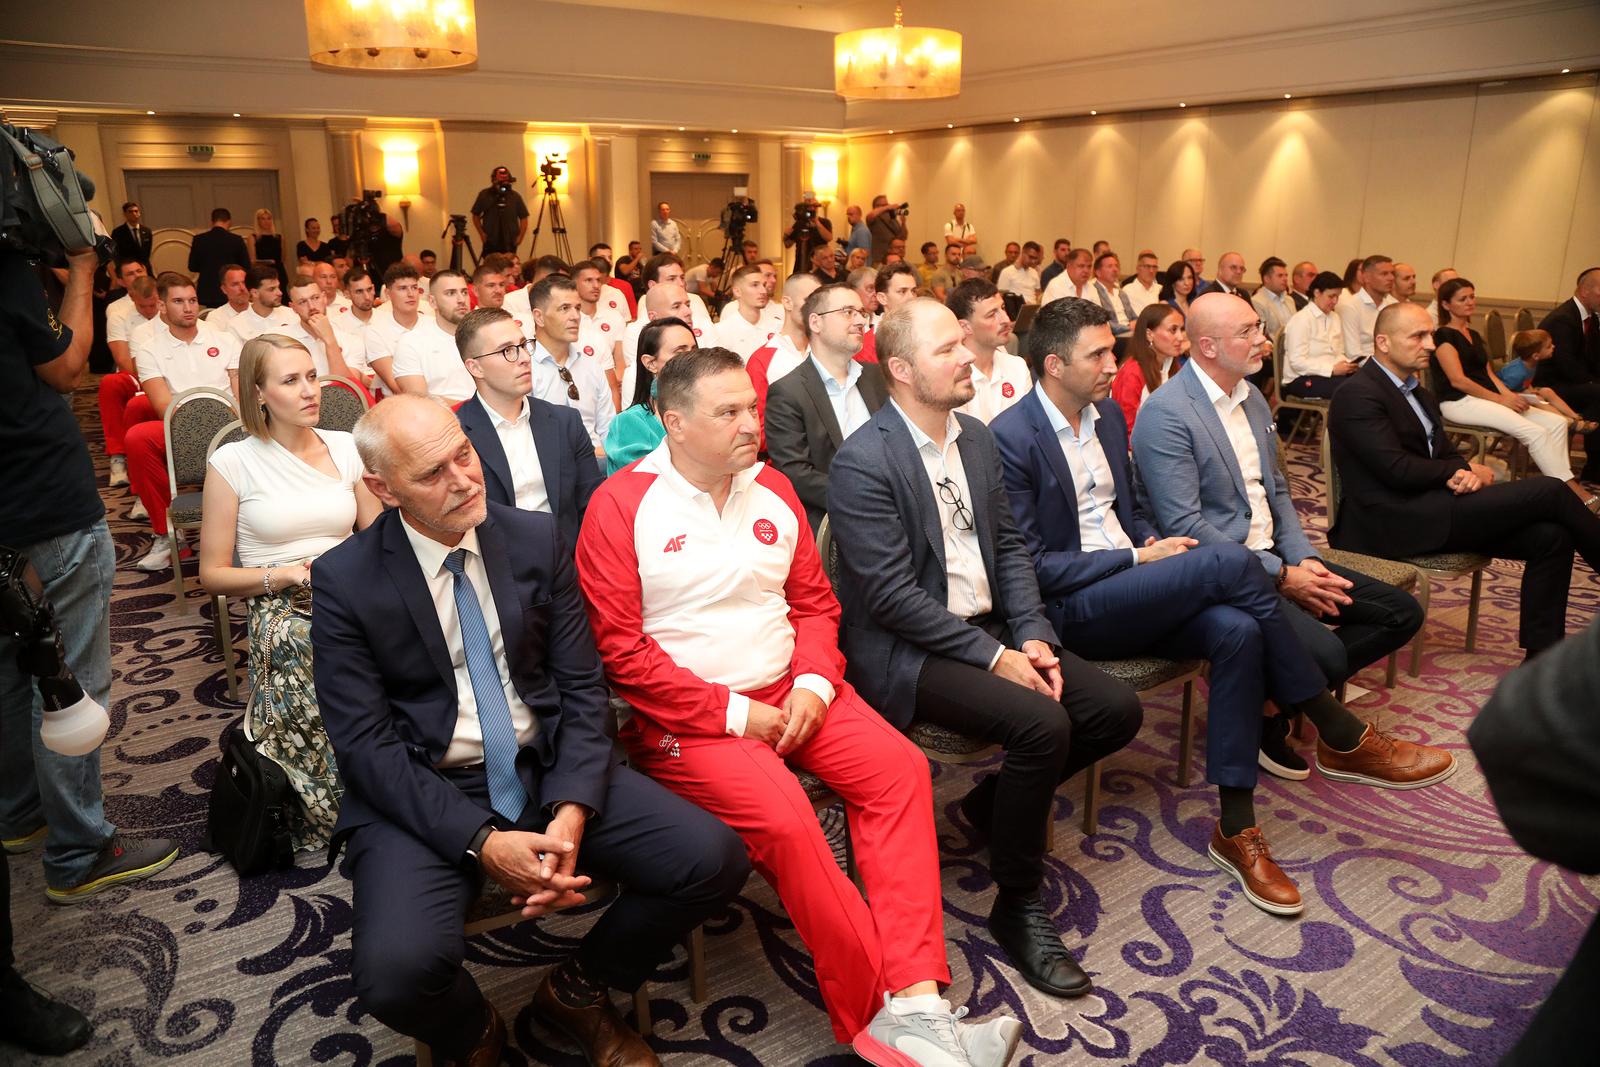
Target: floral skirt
283,719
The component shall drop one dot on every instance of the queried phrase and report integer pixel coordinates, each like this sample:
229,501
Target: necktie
506,794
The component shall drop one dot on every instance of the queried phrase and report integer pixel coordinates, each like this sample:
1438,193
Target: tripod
558,224
732,245
458,223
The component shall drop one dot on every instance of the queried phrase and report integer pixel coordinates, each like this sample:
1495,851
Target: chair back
192,421
1494,329
230,433
342,404
828,549
1277,360
1331,473
1524,319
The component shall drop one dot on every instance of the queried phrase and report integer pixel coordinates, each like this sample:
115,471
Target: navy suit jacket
1044,499
387,690
566,457
885,523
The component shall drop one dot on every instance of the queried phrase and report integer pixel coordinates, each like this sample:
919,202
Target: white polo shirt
737,335
431,353
248,325
518,306
127,319
599,334
383,333
593,402
1007,383
351,347
1024,281
785,358
184,364
516,439
222,317
1061,286
1358,314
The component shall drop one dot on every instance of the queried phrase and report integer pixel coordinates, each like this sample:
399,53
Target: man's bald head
1230,268
798,287
663,297
1213,314
386,433
1397,319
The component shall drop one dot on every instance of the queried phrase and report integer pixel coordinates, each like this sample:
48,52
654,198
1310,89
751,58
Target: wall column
344,159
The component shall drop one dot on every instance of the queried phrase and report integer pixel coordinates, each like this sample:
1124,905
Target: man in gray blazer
943,620
813,408
1207,457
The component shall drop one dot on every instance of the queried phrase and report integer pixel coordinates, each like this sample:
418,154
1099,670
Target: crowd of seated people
1006,511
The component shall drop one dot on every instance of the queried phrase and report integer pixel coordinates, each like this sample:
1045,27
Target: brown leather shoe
490,1046
603,1036
1386,761
1247,858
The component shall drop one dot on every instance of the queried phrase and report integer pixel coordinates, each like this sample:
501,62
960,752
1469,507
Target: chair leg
224,628
1394,667
1186,737
1472,611
1338,694
1423,586
697,964
641,1010
1091,801
177,565
424,1054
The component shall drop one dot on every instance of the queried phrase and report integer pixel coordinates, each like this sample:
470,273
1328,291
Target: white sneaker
158,558
991,1043
119,471
913,1039
138,511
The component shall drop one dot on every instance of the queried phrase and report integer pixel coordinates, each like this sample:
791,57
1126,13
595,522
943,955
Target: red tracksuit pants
859,952
147,469
120,408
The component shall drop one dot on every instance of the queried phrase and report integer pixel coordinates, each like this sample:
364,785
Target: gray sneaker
916,1039
991,1043
123,859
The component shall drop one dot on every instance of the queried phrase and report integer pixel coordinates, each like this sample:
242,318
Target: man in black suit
943,621
132,238
469,715
212,250
1574,371
536,455
812,409
1407,491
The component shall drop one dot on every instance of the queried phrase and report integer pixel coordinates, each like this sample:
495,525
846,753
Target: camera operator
885,222
810,229
52,513
499,215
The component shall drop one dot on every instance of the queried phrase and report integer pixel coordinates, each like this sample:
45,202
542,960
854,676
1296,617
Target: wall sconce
825,175
549,152
401,175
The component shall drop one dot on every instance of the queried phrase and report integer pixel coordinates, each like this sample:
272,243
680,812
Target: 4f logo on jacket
676,544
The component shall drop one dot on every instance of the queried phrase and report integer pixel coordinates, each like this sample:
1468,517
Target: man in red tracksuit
716,623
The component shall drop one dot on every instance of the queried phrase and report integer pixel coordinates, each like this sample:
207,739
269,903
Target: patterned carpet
1429,938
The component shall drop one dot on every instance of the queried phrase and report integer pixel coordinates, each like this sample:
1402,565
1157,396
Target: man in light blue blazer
1206,453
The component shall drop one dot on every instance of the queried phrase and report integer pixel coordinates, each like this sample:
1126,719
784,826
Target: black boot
977,807
1022,926
42,1026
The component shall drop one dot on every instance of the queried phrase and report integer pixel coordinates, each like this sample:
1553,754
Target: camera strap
55,185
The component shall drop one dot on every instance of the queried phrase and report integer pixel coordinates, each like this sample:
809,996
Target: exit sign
702,157
201,150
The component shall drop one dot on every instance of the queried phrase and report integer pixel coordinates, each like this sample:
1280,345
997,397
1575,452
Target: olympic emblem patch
605,327
1008,390
212,351
588,350
766,531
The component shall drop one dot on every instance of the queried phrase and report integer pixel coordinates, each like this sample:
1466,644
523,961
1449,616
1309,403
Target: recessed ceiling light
1566,70
1094,112
235,114
149,112
1183,105
680,129
891,131
1288,96
735,131
949,125
1016,120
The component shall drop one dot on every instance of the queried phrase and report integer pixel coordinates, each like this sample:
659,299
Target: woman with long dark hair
1156,349
637,430
1178,287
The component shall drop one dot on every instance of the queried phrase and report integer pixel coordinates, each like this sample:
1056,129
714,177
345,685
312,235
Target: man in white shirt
786,351
1359,312
117,312
266,313
1074,281
1109,295
702,280
1061,253
170,355
426,360
1013,253
750,322
1272,301
1230,275
769,274
668,270
361,292
561,375
959,233
1300,283
661,302
601,325
1144,290
327,280
1405,283
999,379
235,292
489,287
1022,277
403,284
896,285
333,351
1440,276
121,404
664,235
1314,362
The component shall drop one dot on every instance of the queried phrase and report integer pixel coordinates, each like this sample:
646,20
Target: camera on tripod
550,170
363,222
740,212
805,213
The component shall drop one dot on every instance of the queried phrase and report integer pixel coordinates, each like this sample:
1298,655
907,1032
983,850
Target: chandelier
392,34
897,62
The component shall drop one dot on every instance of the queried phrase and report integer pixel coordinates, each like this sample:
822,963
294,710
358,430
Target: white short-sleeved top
184,364
288,509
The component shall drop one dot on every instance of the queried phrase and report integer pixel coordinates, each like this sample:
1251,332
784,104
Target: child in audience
1529,348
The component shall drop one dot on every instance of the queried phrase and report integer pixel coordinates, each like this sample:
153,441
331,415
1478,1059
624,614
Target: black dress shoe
977,807
1277,755
490,1046
42,1026
1022,926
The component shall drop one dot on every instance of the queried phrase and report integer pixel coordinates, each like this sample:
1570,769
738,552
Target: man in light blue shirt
860,236
664,235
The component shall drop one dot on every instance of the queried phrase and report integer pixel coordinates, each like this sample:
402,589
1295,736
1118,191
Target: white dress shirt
431,354
594,395
1061,286
1024,281
516,440
967,591
1433,312
1358,313
1006,383
1140,295
1312,343
466,743
248,325
849,409
1247,453
1099,529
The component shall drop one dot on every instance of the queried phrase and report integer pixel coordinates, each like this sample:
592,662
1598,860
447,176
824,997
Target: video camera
902,210
805,213
507,185
740,212
44,201
363,223
550,170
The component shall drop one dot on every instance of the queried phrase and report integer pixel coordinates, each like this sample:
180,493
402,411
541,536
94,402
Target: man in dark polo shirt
51,512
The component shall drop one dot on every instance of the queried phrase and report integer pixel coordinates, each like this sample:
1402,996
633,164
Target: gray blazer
803,435
1190,477
885,523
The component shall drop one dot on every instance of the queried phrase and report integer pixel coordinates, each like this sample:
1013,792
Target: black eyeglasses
952,496
512,353
572,386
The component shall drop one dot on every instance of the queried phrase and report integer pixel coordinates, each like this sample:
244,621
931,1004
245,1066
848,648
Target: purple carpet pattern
1428,939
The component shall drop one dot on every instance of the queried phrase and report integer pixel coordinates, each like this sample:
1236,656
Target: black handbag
251,802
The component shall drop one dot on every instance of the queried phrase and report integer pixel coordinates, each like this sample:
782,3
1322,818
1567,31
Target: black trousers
7,953
1313,387
1566,1020
1046,743
1541,521
677,864
1379,620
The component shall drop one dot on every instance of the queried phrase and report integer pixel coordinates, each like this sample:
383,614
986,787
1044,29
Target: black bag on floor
250,807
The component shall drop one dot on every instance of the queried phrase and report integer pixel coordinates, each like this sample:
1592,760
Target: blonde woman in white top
1314,359
273,503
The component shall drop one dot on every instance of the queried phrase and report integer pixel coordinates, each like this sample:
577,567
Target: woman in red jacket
1155,353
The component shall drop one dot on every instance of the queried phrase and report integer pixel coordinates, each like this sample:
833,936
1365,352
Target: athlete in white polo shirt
562,375
665,301
426,360
600,325
667,269
753,321
999,378
333,351
402,283
266,313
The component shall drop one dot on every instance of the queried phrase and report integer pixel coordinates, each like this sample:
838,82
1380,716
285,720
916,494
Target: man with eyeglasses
536,455
944,624
1197,260
1144,289
814,408
426,362
561,374
1214,493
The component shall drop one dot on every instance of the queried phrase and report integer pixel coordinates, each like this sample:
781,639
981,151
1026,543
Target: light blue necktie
500,746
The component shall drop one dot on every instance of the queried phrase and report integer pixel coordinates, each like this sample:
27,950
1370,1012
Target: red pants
147,470
883,779
120,408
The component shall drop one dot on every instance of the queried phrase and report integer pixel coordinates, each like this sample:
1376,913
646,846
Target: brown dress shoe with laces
603,1036
1387,762
491,1043
1248,859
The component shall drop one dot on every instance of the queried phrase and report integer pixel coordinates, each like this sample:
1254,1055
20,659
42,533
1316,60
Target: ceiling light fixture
399,35
1566,70
897,62
1288,96
949,125
1183,105
149,112
1016,120
235,114
1094,112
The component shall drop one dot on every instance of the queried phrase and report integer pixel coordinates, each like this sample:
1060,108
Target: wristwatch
475,848
1283,576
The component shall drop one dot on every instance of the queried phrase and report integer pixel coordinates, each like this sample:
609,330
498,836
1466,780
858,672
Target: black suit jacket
803,435
1576,361
387,690
1299,299
566,459
209,252
1394,502
131,245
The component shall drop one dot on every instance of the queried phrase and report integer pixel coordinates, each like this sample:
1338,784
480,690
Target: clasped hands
1475,477
540,869
1314,587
